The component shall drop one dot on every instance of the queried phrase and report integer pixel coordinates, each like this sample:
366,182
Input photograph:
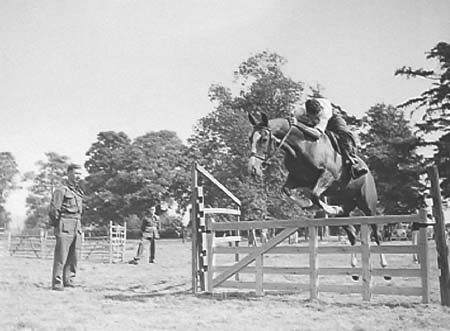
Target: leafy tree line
126,176
8,172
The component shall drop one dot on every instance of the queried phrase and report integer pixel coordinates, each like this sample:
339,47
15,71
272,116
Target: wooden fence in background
107,249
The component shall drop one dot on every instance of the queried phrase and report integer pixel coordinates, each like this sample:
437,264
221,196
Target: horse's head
261,144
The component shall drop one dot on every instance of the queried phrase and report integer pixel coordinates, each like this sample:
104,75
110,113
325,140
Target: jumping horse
314,165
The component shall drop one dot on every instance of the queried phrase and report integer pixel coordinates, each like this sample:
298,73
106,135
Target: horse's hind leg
347,207
415,240
351,235
367,204
376,235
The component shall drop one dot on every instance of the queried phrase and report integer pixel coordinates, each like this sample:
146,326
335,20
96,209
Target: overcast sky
70,69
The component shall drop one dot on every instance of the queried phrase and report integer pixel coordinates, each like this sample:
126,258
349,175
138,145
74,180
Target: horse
314,165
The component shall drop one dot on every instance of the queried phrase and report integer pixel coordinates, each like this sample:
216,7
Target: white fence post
313,262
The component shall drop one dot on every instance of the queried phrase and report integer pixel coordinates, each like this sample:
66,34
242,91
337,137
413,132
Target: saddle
335,140
306,125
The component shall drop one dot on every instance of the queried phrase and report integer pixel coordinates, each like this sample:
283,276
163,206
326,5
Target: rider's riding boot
356,169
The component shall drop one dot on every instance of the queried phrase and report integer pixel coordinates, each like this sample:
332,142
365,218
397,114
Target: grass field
158,297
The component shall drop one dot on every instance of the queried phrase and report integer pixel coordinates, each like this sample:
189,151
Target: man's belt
71,216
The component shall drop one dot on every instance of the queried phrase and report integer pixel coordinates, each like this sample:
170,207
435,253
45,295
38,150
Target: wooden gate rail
219,275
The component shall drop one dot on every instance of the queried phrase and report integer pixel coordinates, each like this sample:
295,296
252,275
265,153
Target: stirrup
356,173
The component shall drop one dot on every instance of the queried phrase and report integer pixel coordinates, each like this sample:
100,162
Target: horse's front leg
291,184
324,181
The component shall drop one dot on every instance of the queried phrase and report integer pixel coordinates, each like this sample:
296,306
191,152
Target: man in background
149,231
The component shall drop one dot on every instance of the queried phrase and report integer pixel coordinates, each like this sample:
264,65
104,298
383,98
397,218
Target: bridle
279,143
267,155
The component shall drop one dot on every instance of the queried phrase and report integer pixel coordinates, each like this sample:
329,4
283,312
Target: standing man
149,231
65,215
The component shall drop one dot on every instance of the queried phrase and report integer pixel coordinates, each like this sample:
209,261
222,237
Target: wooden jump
207,275
219,276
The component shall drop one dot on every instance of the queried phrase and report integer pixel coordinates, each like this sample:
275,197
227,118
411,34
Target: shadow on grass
303,299
170,290
141,293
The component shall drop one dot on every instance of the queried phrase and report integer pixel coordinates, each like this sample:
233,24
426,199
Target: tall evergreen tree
435,105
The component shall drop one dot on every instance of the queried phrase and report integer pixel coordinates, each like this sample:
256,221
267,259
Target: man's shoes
70,285
57,288
151,261
135,262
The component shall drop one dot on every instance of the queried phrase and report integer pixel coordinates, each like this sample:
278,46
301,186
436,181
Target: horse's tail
368,194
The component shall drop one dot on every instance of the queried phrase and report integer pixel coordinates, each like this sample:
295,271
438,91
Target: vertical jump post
439,231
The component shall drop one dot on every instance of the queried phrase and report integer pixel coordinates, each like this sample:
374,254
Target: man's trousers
68,244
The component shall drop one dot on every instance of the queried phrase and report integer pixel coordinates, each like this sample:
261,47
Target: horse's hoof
355,278
304,202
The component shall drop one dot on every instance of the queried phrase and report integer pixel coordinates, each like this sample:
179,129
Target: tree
220,139
435,104
435,101
50,175
163,170
8,171
106,183
442,160
126,178
390,148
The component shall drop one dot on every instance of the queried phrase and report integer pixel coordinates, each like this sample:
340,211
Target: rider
322,114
